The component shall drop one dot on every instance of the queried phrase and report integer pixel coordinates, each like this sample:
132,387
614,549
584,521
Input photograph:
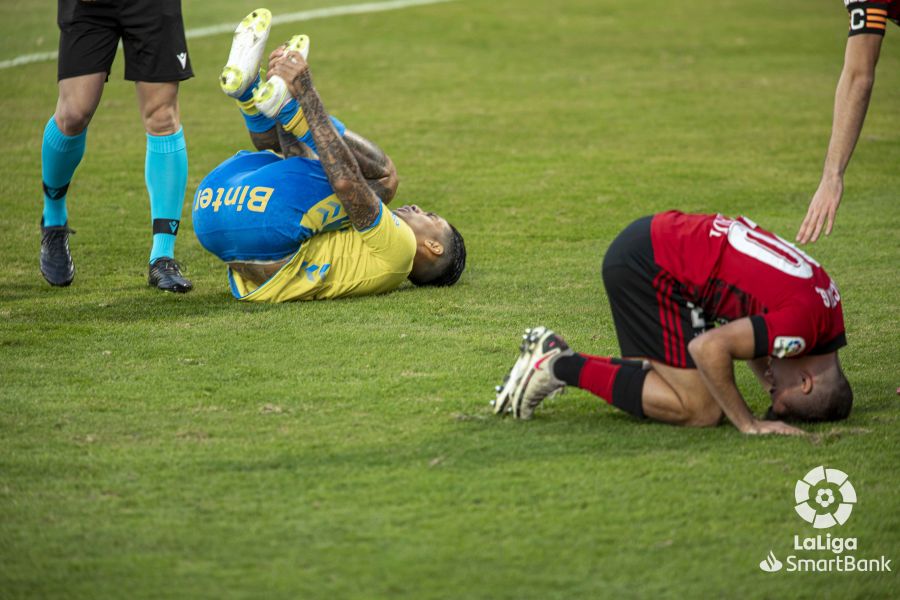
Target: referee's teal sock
166,173
60,156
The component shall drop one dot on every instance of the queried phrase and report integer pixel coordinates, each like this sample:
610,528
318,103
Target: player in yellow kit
312,223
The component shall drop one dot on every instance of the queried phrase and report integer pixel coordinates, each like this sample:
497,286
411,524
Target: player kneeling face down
691,294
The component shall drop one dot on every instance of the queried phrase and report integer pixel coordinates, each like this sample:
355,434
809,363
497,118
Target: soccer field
191,446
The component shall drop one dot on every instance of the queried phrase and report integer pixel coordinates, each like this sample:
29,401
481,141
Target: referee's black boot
165,274
56,260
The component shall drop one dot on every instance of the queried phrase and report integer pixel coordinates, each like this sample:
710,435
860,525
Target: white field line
305,15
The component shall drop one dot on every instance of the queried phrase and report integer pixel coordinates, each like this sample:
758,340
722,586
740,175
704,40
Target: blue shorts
254,206
258,206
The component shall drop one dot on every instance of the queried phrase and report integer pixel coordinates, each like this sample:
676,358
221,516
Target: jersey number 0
770,249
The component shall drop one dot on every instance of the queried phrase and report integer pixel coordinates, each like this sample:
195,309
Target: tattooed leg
265,140
291,145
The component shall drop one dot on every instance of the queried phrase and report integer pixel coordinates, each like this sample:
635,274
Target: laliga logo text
824,498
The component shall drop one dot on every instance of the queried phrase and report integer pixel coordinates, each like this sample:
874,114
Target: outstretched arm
851,101
340,164
714,352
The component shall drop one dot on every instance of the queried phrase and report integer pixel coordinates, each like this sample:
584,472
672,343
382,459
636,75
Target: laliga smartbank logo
822,509
824,498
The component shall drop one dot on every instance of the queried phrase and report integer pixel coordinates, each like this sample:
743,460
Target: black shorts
653,319
151,31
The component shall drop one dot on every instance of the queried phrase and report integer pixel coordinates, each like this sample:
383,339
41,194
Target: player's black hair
454,262
835,401
830,400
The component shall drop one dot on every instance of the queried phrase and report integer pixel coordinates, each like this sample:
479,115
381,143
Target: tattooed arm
376,166
340,164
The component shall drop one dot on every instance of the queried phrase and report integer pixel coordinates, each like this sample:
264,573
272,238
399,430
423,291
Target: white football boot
270,97
531,378
247,49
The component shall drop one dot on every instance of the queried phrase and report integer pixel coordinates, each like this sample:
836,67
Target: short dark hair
454,262
830,400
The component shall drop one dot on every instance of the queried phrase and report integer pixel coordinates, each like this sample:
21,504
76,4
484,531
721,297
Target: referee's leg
165,169
64,141
156,59
87,48
62,149
78,101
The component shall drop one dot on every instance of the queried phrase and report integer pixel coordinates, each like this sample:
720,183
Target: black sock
628,388
568,368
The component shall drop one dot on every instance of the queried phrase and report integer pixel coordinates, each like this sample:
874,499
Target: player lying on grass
690,294
310,222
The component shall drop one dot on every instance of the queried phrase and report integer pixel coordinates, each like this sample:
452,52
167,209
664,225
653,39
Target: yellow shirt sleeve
339,264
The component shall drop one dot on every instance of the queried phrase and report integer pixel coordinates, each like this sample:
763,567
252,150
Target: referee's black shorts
653,319
151,31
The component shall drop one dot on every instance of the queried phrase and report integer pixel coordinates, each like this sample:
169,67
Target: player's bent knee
698,409
704,417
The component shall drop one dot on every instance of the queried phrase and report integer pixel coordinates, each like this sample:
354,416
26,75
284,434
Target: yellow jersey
339,264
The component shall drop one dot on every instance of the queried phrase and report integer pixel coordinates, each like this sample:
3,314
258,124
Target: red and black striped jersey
871,16
731,268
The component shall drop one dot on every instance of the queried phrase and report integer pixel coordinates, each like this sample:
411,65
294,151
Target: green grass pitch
160,446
